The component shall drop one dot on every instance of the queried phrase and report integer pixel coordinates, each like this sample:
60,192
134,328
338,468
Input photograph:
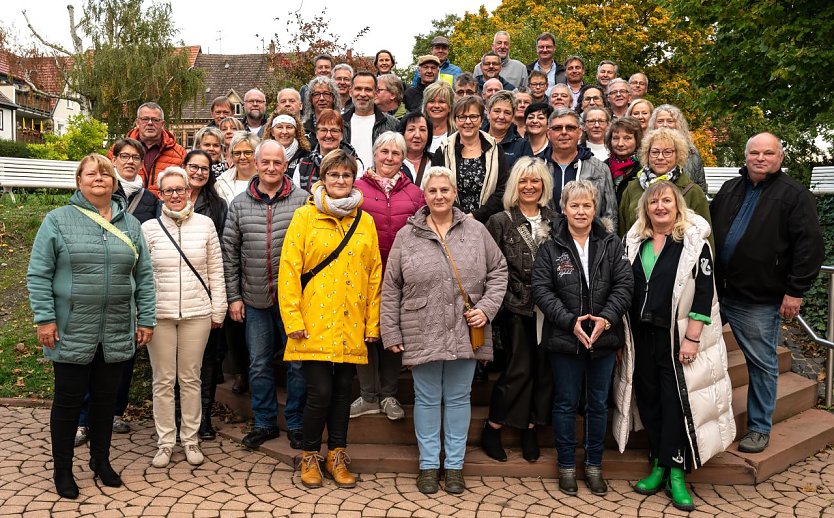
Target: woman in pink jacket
390,198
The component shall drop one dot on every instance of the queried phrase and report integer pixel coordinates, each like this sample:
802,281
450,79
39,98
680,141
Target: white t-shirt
362,137
240,186
583,256
599,150
436,141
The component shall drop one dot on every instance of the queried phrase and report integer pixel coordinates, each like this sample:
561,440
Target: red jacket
170,153
390,215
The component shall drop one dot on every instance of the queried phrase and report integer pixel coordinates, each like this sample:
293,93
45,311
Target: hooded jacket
90,283
170,154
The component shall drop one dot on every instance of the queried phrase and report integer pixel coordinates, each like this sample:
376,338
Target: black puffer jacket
504,230
148,207
560,292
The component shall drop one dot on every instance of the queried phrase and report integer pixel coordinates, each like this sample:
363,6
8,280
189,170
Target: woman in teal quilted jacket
91,290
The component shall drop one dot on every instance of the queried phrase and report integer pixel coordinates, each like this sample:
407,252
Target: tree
84,135
442,27
132,59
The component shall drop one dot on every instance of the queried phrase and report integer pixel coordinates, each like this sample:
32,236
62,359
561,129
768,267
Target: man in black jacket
770,249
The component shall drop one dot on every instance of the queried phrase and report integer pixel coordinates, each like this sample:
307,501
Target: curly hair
300,136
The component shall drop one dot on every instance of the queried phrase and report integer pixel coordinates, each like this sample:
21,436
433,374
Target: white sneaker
81,436
362,407
392,409
193,455
162,458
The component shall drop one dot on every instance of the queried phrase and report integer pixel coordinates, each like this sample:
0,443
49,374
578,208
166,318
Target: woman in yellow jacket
329,319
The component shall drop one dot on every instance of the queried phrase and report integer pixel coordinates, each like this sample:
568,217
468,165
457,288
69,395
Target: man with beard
254,104
364,121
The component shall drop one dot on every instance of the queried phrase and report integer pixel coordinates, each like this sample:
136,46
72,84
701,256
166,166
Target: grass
24,372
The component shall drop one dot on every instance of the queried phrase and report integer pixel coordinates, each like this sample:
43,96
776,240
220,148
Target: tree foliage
132,59
84,135
443,27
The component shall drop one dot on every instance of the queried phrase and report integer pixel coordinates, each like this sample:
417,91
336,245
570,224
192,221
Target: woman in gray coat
424,317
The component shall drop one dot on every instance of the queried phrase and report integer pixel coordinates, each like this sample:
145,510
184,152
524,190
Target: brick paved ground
236,482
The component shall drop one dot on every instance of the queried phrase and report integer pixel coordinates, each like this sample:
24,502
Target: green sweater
89,282
694,197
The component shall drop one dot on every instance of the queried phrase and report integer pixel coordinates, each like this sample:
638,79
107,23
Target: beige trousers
176,353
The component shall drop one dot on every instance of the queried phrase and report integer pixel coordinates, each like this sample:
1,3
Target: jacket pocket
415,303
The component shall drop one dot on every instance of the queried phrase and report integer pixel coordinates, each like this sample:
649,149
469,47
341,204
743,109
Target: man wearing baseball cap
429,67
448,71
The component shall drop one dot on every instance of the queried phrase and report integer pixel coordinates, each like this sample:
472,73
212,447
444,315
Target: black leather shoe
491,443
594,480
103,470
567,481
65,484
454,483
296,439
206,431
241,384
258,436
530,445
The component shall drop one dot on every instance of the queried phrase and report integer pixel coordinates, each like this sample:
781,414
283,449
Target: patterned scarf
647,177
337,207
386,184
618,166
179,216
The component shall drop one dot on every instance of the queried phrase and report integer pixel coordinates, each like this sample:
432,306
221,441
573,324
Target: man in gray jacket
255,228
513,70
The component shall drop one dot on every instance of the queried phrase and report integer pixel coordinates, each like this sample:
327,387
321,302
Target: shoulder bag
184,258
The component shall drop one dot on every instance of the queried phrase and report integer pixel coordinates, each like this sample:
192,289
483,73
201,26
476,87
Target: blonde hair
104,166
670,135
444,91
528,166
579,189
438,172
644,224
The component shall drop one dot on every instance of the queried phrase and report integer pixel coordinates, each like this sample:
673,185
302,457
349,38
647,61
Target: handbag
184,258
476,334
306,277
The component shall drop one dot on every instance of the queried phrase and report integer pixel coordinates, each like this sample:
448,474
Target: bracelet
691,340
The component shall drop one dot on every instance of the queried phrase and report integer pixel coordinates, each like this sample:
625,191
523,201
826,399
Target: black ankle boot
491,443
103,470
530,445
65,484
206,431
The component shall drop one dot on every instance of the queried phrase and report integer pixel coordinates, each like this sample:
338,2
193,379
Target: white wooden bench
35,174
822,180
716,176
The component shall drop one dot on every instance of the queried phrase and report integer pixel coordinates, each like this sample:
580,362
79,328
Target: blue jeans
569,371
265,341
756,328
449,382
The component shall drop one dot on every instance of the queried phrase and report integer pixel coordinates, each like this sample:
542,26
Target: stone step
794,394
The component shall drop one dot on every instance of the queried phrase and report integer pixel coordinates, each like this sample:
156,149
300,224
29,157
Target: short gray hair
244,136
390,137
563,112
266,142
293,90
152,106
618,80
394,84
500,96
438,171
342,66
608,62
172,170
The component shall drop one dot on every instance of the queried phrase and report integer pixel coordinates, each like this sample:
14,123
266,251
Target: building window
189,140
2,119
238,109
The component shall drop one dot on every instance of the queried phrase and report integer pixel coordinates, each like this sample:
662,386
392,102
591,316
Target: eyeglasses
591,98
150,120
255,101
321,94
568,128
638,83
329,131
473,117
600,122
654,153
334,177
461,93
248,153
124,157
537,85
195,168
180,191
618,92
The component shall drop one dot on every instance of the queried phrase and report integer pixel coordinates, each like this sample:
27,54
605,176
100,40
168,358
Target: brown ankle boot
311,469
336,468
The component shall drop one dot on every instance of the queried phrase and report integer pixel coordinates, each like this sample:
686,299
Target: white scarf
130,186
289,152
179,216
338,207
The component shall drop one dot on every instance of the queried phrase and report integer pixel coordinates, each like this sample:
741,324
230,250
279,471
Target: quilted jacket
422,308
179,293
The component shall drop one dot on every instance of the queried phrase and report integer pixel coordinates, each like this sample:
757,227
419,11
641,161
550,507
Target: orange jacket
170,154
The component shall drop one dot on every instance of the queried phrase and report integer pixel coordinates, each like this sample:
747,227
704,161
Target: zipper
179,238
106,286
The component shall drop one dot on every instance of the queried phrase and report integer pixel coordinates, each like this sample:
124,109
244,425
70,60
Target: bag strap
135,201
687,188
106,225
466,302
305,277
182,254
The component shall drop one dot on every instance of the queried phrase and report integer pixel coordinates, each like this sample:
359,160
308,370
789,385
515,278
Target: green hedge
14,149
815,306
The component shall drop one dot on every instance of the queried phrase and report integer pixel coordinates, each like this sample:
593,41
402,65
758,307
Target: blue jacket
90,283
446,68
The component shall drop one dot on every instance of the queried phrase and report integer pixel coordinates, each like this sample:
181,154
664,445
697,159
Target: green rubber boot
654,482
676,489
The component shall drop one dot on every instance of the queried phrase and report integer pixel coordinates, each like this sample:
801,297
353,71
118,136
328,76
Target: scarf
130,186
386,184
290,150
337,207
618,166
647,177
179,217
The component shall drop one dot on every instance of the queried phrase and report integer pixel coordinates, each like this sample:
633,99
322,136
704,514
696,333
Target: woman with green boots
675,358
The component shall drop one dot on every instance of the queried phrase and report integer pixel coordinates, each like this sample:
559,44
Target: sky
218,30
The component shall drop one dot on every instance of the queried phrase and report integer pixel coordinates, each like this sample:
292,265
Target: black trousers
524,390
658,395
329,388
71,383
235,336
212,361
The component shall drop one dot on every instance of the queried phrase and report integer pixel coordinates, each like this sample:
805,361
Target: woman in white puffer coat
190,301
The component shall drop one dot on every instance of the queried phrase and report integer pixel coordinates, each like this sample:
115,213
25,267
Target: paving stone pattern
236,482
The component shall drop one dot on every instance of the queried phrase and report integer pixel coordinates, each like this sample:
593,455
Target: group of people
347,239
